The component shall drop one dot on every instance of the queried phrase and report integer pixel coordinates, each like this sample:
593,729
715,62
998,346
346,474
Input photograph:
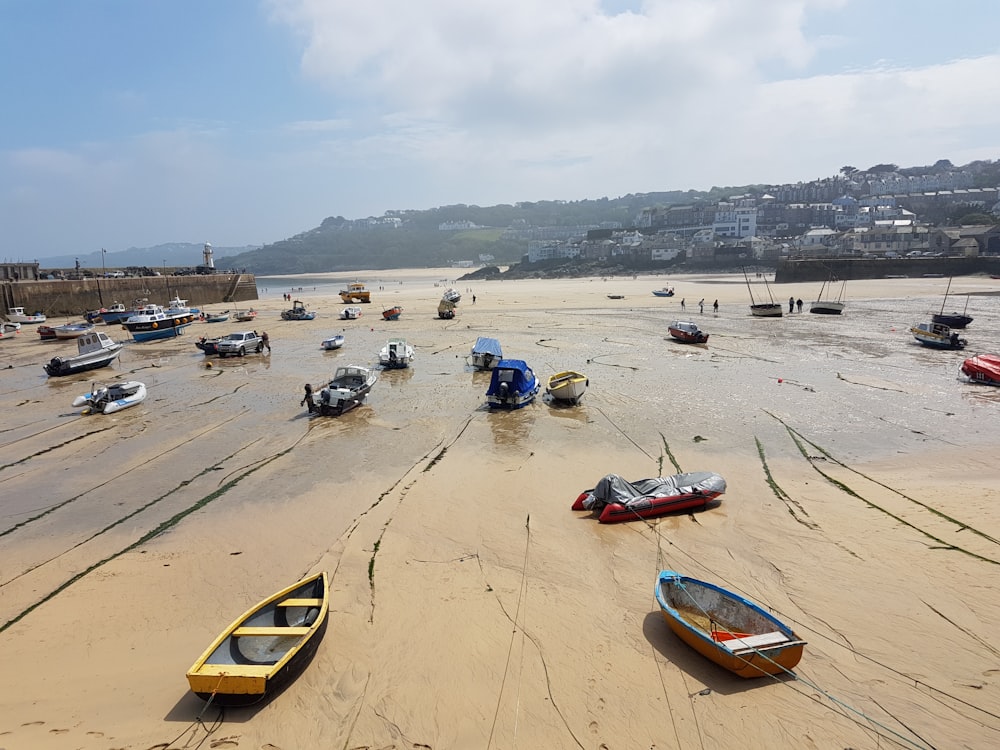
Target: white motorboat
485,354
396,354
107,399
347,389
352,312
18,315
333,342
94,350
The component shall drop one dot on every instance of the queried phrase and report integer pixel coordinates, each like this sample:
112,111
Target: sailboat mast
945,300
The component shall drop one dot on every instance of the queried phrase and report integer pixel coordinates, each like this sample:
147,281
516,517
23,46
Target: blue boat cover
515,374
486,345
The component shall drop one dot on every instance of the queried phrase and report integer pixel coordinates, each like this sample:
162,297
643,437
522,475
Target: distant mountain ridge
169,254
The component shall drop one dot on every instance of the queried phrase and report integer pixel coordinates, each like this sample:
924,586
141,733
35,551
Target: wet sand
471,608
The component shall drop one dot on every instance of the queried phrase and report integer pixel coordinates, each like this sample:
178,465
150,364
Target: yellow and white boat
567,386
266,647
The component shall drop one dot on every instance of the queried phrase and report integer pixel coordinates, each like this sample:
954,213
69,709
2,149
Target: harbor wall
846,269
56,297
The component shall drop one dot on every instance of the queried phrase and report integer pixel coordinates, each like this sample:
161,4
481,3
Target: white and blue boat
485,354
153,322
107,399
512,385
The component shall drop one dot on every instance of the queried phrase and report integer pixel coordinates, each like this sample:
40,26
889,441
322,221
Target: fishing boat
616,296
298,312
153,322
72,330
664,292
45,332
763,309
983,368
567,386
178,305
266,647
351,312
347,389
952,319
392,313
244,316
18,315
615,499
937,336
829,306
93,350
727,628
116,313
107,399
355,292
512,385
485,353
217,317
687,332
452,295
396,354
333,342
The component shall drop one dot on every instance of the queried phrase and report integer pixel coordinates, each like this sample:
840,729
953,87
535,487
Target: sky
128,123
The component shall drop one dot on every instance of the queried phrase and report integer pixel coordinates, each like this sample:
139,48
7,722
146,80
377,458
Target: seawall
845,269
75,297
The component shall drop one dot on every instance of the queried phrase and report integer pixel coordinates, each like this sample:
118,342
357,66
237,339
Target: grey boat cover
613,489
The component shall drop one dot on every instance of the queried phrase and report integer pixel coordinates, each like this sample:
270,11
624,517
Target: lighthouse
207,264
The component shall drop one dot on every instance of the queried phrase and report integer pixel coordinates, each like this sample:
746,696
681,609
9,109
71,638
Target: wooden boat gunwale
774,652
567,385
244,683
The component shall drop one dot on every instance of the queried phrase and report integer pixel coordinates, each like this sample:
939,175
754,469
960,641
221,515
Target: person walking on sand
791,305
307,400
266,340
715,307
798,304
701,306
682,304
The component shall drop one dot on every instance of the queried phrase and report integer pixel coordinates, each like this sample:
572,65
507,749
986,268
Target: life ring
156,325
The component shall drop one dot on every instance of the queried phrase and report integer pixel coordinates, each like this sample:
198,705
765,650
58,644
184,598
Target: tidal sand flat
470,606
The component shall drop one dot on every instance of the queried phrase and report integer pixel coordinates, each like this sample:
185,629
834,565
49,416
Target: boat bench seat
236,670
756,641
301,603
276,630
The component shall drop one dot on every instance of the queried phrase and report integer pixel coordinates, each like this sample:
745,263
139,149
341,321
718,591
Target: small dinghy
107,399
726,628
568,386
333,342
615,499
266,648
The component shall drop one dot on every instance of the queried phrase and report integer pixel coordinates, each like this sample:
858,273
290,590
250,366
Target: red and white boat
983,368
615,499
687,332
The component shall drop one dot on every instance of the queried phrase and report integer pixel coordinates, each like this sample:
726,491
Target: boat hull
112,398
266,648
937,336
58,366
952,320
983,368
687,333
766,310
726,628
615,499
334,342
567,386
347,390
826,308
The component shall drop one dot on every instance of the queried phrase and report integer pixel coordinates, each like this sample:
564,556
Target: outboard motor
504,391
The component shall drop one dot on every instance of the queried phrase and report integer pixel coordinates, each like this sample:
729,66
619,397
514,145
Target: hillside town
861,215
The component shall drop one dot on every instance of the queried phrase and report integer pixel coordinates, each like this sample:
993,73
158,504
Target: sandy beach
471,607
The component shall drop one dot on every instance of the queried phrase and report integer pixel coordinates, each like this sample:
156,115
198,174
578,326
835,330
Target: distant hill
441,236
170,254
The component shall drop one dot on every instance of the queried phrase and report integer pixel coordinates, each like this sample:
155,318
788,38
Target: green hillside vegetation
339,244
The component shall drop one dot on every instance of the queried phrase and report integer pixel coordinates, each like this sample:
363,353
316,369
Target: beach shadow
685,658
